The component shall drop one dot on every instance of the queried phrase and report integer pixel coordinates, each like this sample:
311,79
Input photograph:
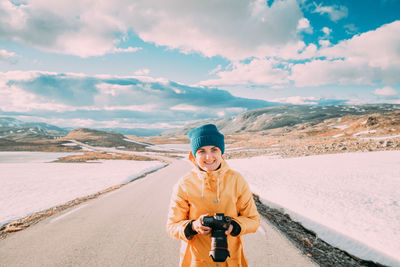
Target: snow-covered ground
381,137
30,183
23,157
171,147
350,200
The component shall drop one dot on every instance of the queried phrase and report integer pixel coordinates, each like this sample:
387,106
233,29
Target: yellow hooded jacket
221,191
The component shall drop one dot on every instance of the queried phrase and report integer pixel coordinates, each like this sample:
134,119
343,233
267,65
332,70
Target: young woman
210,188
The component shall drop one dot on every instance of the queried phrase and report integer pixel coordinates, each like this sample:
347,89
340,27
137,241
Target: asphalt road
126,227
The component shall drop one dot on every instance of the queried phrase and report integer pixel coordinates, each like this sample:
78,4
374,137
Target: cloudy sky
160,64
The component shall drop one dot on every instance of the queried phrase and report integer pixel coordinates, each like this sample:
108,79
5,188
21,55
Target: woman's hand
228,232
198,226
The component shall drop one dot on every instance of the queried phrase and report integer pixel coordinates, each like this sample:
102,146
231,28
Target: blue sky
161,64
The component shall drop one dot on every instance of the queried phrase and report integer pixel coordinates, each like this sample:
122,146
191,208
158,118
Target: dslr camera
219,244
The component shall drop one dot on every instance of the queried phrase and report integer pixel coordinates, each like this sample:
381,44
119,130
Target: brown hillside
103,139
315,131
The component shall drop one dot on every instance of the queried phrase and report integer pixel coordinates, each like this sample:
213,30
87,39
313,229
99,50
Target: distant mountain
286,116
103,139
135,131
295,131
14,129
257,120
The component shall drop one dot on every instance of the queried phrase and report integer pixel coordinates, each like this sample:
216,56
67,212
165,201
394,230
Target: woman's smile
209,158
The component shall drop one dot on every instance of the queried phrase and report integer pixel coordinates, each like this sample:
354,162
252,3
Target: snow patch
341,127
381,137
350,200
69,144
28,185
135,142
171,147
338,135
364,132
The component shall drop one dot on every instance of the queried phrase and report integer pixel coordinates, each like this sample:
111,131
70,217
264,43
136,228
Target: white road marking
261,230
68,213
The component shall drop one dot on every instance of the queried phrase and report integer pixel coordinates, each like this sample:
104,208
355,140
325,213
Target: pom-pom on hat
206,135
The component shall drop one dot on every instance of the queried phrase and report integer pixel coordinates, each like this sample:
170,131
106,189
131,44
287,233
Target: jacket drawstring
202,185
202,188
218,189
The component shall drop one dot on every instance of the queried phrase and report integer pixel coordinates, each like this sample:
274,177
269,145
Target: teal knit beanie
206,135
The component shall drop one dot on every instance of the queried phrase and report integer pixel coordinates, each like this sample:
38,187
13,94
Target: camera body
219,244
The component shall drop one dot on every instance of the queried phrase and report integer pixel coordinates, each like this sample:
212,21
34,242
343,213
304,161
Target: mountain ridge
285,116
292,130
14,129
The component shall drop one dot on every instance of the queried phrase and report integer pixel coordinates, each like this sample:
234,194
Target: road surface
126,227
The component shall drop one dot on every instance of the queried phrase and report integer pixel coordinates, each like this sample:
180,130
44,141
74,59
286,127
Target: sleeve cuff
189,232
236,228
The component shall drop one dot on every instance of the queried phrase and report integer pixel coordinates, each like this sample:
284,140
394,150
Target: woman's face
209,158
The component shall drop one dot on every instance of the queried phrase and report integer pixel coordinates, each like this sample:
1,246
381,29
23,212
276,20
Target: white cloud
304,25
367,59
258,71
217,69
385,91
264,71
257,8
306,53
351,62
185,107
6,56
144,79
310,100
350,28
17,75
327,31
69,27
340,72
126,50
141,108
379,48
234,29
109,94
299,100
324,43
142,72
105,98
14,99
334,12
